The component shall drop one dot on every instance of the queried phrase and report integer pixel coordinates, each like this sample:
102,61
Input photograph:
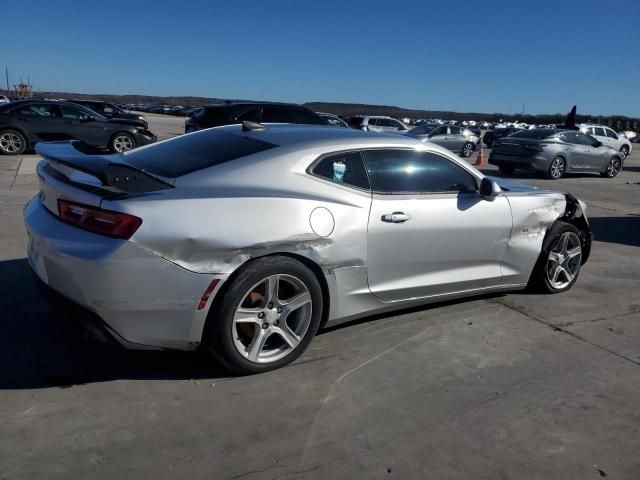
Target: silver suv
378,124
608,137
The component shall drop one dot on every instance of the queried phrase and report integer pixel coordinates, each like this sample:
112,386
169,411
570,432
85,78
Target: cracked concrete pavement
515,386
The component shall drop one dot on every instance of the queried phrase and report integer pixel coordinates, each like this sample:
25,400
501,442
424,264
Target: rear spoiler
113,174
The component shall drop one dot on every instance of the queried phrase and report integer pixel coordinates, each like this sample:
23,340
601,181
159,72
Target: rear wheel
613,168
122,142
557,167
269,315
559,263
12,142
506,169
467,149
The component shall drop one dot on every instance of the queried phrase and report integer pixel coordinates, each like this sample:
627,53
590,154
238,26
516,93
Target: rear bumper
536,163
139,298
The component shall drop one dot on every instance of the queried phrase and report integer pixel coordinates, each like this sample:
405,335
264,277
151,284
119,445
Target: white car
4,99
608,137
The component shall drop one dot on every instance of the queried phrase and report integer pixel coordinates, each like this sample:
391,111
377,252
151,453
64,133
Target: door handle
395,217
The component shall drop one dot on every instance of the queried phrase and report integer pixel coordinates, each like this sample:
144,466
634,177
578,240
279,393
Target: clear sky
482,56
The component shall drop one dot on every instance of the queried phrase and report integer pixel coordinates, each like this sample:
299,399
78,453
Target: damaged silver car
246,239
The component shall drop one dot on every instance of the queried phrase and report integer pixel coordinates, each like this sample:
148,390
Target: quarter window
408,171
346,168
611,133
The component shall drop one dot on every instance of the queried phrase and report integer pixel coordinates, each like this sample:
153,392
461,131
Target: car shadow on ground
39,348
623,230
530,175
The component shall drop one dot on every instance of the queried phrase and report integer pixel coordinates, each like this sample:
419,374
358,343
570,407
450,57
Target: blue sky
452,55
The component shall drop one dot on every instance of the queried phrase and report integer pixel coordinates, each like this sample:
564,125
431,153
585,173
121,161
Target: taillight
97,220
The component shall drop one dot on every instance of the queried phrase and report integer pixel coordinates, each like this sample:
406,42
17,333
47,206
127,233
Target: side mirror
489,188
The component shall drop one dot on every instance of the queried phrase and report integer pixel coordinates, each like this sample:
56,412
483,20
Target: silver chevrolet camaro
246,239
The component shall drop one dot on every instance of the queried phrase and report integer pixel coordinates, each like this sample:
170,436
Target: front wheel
467,149
560,260
122,142
269,315
12,142
556,169
624,150
613,168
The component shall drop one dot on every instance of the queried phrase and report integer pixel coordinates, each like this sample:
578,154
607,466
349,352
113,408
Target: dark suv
497,133
237,112
110,110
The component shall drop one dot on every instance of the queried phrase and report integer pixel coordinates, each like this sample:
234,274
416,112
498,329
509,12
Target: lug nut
279,309
261,315
270,306
275,324
265,326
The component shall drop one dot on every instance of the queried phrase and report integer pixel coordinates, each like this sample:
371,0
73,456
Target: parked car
27,122
452,137
492,135
236,112
608,137
4,99
555,152
378,124
333,120
296,236
109,110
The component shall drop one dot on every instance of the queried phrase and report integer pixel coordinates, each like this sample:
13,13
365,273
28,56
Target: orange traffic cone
480,157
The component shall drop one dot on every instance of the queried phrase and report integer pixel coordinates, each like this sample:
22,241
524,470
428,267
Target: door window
439,131
307,117
611,133
44,110
345,168
599,131
70,113
408,171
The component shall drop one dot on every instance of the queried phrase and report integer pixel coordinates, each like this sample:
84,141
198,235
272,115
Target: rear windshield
537,134
189,153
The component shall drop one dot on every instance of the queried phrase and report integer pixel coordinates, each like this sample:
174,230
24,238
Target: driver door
80,125
430,233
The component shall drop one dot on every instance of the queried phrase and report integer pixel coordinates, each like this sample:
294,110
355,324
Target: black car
237,112
109,110
493,135
27,122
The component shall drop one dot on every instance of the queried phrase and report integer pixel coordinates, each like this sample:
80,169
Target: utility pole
6,72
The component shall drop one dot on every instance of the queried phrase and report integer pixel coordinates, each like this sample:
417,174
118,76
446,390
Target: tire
557,168
624,150
488,142
506,169
12,142
122,142
231,335
467,149
613,168
570,261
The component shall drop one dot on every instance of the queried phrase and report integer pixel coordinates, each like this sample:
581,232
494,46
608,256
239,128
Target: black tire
12,142
557,168
624,150
467,149
506,169
613,168
122,142
218,336
488,142
539,280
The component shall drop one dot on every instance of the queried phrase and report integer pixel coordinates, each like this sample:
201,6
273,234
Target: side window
599,131
307,117
456,130
583,139
439,131
344,168
106,109
570,137
277,115
70,113
249,116
373,121
38,110
611,133
408,171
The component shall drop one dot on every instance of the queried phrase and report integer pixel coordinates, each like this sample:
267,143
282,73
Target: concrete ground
515,386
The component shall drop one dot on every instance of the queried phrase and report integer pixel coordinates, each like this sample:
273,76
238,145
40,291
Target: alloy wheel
467,150
272,318
557,167
122,143
10,142
613,168
564,260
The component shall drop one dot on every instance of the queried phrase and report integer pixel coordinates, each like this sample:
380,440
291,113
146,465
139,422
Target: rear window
194,152
537,134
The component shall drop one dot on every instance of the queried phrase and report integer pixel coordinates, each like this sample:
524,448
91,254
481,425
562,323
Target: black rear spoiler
113,174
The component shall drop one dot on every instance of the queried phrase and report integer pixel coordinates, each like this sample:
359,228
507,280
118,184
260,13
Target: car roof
250,104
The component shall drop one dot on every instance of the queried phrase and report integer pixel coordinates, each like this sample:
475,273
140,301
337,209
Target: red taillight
96,220
207,293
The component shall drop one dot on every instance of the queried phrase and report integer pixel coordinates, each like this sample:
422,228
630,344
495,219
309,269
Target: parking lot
503,386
